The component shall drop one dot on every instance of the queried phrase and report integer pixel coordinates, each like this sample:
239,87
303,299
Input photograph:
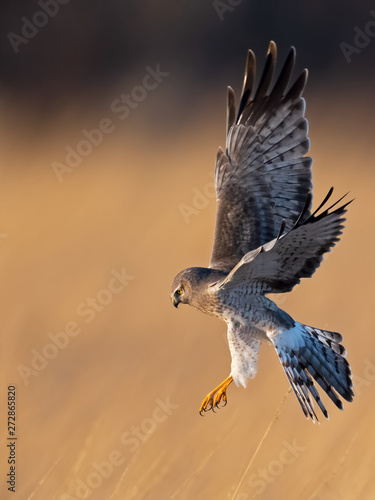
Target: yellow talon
214,397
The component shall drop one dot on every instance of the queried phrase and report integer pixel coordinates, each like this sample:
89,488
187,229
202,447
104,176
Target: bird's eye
179,291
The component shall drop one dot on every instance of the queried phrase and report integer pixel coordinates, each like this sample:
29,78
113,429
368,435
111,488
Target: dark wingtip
327,197
283,224
248,83
340,210
297,88
272,48
304,210
268,71
231,108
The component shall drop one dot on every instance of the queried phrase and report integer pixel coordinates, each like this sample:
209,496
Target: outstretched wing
263,176
280,264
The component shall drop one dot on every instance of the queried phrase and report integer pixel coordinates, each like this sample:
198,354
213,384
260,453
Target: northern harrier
267,239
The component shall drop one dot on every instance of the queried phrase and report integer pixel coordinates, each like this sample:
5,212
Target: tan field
111,412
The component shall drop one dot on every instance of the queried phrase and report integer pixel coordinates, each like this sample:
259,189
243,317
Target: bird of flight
267,239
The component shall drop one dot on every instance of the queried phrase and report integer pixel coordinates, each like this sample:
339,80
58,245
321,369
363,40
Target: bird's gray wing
280,264
263,176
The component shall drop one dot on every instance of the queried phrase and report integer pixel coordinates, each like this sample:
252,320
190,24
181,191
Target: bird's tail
308,353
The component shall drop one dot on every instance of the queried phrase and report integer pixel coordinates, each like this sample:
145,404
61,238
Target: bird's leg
214,397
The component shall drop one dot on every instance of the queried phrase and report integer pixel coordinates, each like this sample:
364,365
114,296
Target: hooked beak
175,302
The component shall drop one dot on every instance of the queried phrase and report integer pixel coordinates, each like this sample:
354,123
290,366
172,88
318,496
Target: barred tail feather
308,353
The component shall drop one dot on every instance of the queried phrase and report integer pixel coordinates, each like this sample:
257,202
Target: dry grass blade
199,468
335,470
44,478
116,490
147,480
276,416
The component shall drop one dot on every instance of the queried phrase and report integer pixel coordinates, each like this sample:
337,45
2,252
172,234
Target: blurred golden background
109,376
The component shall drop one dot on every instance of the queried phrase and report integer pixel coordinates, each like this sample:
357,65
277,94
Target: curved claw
213,399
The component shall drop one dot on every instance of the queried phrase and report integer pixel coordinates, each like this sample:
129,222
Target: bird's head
181,290
188,285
